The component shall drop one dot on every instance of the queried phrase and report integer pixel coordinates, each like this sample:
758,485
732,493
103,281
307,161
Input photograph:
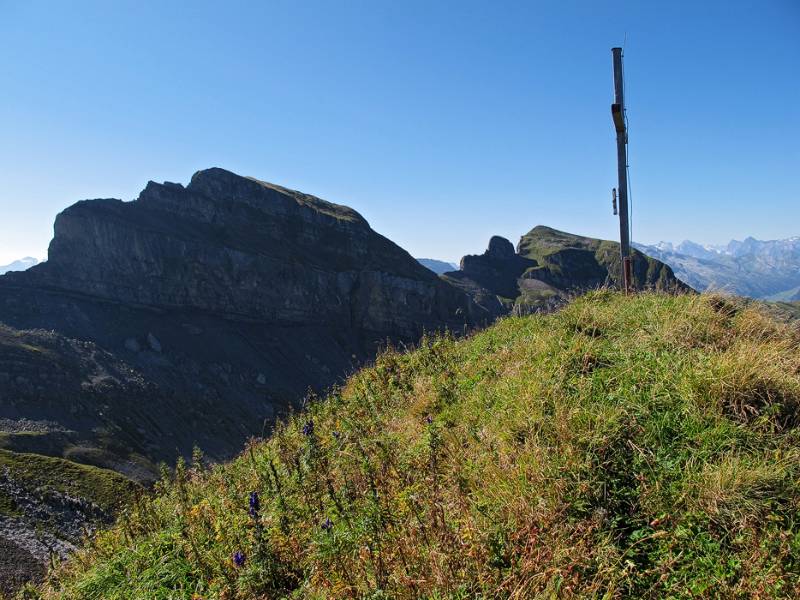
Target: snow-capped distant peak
19,265
750,267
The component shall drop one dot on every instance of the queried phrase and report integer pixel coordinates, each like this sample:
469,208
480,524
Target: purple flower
337,435
429,419
327,524
238,558
308,428
255,504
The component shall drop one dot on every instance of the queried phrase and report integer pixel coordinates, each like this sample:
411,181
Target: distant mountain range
437,266
755,268
19,265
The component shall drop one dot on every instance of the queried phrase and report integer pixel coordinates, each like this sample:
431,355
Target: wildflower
238,558
429,419
308,428
337,435
327,524
255,504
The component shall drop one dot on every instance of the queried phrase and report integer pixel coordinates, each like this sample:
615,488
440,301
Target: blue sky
443,123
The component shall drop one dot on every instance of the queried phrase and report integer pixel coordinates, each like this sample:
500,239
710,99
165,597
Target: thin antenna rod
618,115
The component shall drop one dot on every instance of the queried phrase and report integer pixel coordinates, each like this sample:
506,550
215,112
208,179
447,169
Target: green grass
642,447
44,474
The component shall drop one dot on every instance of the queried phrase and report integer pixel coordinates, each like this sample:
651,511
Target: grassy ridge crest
639,447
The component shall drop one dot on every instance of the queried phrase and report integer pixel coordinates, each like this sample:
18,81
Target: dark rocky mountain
754,268
437,266
19,265
193,314
548,266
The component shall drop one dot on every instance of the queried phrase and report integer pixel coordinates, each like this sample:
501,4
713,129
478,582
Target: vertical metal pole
618,115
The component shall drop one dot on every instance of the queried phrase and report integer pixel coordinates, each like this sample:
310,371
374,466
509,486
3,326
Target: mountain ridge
762,269
19,265
437,266
547,267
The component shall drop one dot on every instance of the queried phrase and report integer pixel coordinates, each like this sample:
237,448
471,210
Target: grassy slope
642,447
44,474
568,260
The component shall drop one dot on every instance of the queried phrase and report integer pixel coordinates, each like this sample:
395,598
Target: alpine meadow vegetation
621,447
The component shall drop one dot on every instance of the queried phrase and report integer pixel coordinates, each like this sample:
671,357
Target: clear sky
443,123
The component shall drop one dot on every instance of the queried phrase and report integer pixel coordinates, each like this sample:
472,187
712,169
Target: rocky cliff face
234,246
197,314
546,267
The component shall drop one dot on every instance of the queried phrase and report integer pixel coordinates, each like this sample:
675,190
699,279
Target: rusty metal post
618,115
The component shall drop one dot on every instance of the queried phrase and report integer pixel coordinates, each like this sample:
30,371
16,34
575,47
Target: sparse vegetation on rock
48,506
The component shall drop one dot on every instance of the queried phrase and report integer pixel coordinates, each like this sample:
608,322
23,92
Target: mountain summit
549,266
243,248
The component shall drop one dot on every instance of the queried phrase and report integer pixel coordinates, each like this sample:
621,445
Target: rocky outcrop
198,314
498,268
47,508
548,266
491,278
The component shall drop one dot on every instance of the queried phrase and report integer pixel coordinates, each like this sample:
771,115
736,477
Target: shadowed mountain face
193,315
547,266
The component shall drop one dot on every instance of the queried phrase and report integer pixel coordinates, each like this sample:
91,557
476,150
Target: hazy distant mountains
19,265
755,268
437,266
